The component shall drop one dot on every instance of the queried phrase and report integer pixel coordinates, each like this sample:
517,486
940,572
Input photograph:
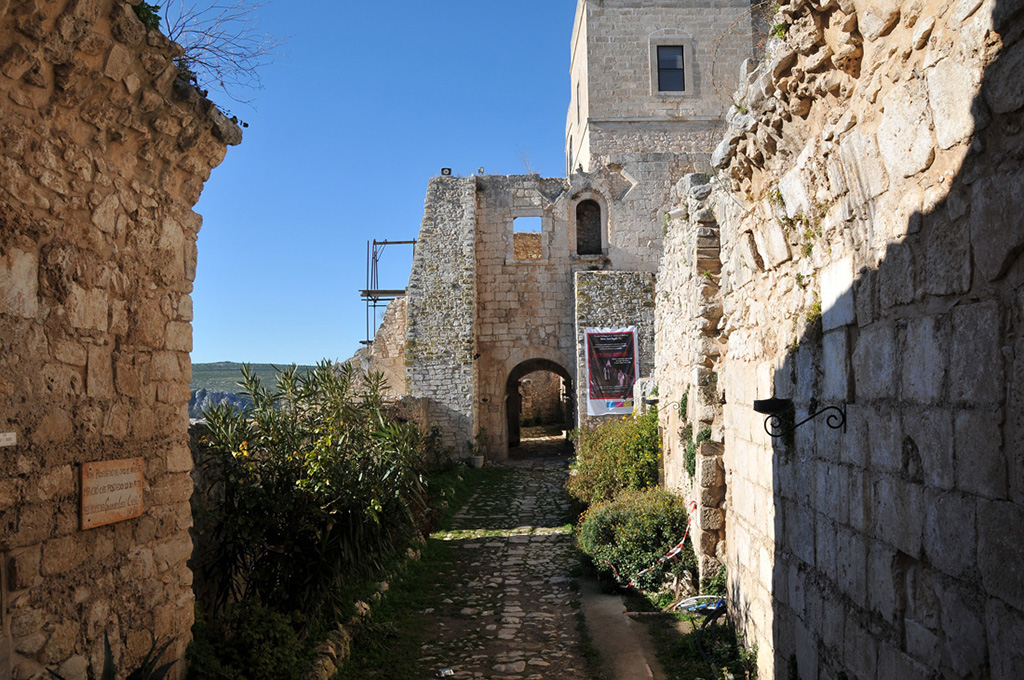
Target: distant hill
223,376
217,383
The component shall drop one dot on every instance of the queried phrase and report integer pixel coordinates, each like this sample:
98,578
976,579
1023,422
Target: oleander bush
632,532
315,484
615,455
248,641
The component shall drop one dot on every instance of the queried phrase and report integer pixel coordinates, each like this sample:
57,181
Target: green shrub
148,14
248,641
315,484
615,455
633,532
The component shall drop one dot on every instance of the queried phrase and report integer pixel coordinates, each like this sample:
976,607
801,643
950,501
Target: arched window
588,227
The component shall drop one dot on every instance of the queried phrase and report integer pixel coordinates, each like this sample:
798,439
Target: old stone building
859,247
103,153
489,301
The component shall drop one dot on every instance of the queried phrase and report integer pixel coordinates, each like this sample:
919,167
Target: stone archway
513,405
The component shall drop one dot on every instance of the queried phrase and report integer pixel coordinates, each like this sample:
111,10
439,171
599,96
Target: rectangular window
670,69
527,233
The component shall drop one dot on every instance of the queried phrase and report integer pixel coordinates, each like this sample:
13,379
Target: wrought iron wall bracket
836,419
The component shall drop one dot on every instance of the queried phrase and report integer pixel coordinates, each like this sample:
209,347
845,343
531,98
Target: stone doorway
538,393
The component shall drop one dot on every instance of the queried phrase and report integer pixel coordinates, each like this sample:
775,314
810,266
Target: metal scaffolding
374,296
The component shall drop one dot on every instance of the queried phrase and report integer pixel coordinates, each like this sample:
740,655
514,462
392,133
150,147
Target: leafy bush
248,641
633,532
314,484
615,455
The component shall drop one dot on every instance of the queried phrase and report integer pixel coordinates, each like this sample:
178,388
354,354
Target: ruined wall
611,299
387,353
687,347
102,155
871,257
524,310
440,314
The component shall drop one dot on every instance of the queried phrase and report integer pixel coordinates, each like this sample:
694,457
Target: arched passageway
537,391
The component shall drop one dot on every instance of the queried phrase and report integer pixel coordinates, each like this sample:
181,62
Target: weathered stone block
976,360
895,663
981,462
882,593
952,87
963,642
87,308
62,554
23,568
924,361
1005,640
835,359
27,621
19,283
927,446
860,651
950,539
852,566
837,294
61,643
898,513
99,379
996,236
771,243
711,519
1002,81
874,362
999,546
863,170
905,133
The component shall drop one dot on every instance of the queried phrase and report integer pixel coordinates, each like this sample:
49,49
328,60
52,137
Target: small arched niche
589,218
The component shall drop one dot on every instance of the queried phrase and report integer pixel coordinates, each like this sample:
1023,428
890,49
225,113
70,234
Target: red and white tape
671,554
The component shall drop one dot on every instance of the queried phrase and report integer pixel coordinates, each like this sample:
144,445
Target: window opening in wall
526,239
568,160
588,227
670,69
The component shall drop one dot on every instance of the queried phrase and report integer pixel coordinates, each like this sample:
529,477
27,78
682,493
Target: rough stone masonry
103,152
867,202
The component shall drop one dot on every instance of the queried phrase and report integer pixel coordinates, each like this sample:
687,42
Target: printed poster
611,370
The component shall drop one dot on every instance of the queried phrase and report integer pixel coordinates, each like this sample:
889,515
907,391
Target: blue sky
366,103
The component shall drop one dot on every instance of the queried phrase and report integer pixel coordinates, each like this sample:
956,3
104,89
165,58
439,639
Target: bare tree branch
224,49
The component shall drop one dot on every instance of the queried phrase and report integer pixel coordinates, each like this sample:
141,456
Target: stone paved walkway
511,610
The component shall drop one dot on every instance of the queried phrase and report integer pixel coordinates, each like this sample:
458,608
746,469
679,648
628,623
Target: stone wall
615,105
612,299
387,353
524,312
871,258
102,155
688,346
440,314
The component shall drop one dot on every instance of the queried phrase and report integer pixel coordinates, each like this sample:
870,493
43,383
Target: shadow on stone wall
894,539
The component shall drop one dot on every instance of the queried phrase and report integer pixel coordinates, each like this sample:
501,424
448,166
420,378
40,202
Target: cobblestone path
510,607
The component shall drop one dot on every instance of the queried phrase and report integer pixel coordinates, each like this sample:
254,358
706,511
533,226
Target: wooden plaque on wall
111,491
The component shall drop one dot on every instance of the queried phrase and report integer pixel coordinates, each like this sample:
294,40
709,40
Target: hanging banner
611,370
